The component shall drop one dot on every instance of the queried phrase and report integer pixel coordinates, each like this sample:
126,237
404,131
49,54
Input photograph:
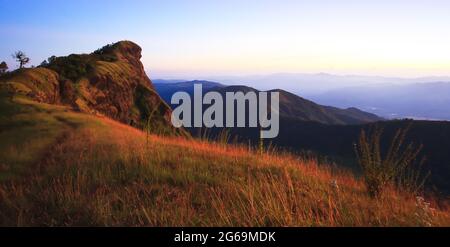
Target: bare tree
21,58
3,67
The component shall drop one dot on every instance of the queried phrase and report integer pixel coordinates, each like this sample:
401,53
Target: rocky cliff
110,81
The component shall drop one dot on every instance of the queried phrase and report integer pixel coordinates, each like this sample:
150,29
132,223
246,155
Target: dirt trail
69,129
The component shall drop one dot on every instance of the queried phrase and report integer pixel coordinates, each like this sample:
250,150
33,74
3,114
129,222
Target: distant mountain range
429,101
291,105
308,84
425,98
160,81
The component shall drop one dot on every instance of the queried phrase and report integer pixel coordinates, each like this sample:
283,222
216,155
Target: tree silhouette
21,58
44,64
51,59
3,68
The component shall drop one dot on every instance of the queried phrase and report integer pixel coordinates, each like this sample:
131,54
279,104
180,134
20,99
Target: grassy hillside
336,142
60,168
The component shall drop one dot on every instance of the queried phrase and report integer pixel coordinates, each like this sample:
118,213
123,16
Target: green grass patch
28,130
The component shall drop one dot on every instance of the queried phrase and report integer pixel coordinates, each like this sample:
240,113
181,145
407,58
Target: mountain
291,105
167,88
417,100
110,81
299,108
163,81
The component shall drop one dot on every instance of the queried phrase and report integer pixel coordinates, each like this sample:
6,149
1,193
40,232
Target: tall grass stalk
148,123
399,166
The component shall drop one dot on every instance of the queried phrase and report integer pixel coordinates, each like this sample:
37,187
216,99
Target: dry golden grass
109,174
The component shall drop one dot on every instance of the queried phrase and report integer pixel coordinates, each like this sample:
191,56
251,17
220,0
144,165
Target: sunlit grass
99,172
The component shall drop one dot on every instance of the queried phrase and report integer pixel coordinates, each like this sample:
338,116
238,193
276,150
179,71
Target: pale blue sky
204,38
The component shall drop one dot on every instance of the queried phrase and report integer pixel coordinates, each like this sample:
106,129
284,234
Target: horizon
198,39
173,76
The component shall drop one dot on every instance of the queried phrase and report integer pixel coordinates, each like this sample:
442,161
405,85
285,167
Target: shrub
106,53
3,68
72,67
399,166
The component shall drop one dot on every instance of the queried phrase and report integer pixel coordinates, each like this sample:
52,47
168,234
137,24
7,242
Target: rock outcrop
110,81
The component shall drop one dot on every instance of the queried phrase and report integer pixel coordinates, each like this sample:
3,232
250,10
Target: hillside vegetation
61,168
